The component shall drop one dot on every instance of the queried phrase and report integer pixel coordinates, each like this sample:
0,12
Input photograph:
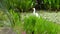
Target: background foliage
26,5
21,5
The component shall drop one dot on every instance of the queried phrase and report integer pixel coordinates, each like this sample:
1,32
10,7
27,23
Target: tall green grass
52,4
4,18
16,22
33,24
22,5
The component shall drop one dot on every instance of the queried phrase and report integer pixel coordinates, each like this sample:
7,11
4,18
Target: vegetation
26,5
16,22
21,5
49,4
31,24
35,25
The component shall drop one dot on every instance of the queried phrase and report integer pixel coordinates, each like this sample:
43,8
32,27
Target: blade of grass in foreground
16,24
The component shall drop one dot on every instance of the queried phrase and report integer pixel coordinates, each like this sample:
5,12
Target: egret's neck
33,10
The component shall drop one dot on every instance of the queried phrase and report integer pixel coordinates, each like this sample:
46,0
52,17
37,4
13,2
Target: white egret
36,14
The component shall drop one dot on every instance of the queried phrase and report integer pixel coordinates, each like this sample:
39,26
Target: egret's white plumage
33,10
36,14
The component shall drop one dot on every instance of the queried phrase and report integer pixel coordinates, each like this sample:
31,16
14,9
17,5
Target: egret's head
34,9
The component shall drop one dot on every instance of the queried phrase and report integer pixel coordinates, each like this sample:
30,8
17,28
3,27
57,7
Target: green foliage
29,24
23,5
53,4
16,22
39,26
4,19
45,27
26,5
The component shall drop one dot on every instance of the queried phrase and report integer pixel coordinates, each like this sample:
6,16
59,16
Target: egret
36,14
